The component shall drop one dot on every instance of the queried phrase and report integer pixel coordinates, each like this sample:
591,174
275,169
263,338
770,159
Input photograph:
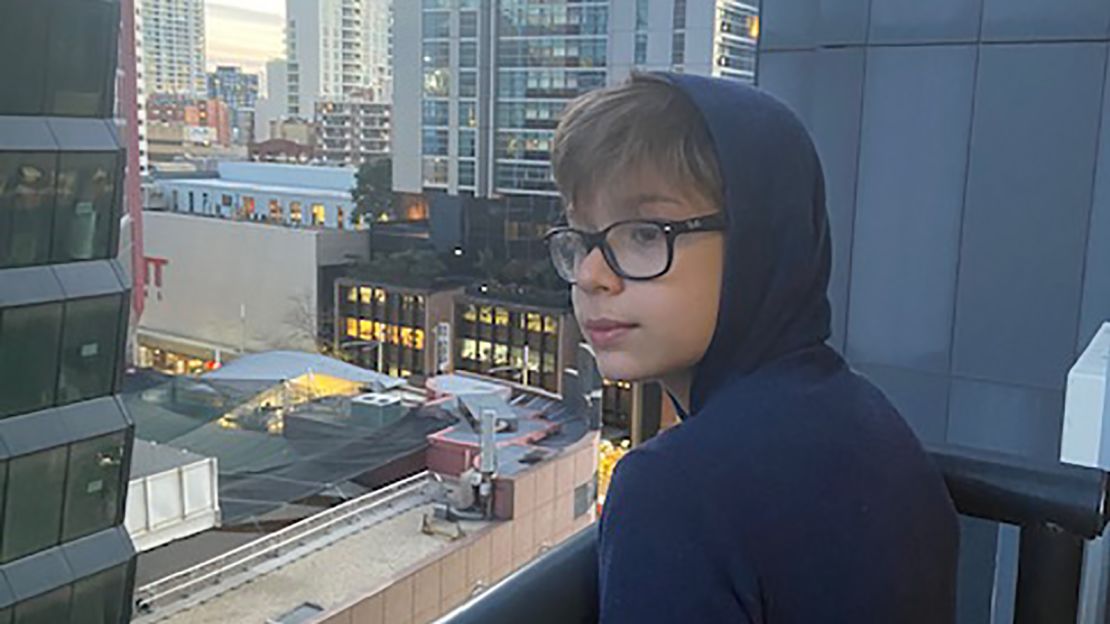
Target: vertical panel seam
963,218
1103,112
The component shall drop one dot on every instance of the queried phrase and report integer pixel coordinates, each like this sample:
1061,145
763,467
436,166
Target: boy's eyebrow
637,201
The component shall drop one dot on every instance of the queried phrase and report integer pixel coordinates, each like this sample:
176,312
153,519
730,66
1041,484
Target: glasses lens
567,252
639,249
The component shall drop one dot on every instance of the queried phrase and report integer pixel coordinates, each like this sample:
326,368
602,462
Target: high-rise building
239,90
477,120
173,40
140,86
336,50
65,438
351,132
274,105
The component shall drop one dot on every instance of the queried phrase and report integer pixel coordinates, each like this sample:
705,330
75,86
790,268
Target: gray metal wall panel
1010,419
1028,199
911,21
824,87
1016,20
921,398
913,154
1096,283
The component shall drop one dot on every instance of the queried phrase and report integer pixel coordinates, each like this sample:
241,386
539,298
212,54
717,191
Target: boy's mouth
605,333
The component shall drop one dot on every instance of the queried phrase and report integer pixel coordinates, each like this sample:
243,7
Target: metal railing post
1050,562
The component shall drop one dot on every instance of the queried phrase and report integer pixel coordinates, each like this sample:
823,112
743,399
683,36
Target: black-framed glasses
637,249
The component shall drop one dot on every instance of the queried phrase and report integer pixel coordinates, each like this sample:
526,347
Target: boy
698,250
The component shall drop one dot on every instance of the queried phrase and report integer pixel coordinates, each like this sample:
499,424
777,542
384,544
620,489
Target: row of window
525,177
552,52
58,207
532,114
61,58
60,494
525,145
437,83
547,83
505,341
529,18
59,353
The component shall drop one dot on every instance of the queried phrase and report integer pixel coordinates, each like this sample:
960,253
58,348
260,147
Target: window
277,215
435,113
86,206
89,345
435,142
437,24
23,35
468,24
29,339
435,171
437,54
26,207
49,607
94,485
80,46
678,48
641,48
318,214
467,139
468,54
468,83
295,215
466,173
33,503
98,599
468,114
339,217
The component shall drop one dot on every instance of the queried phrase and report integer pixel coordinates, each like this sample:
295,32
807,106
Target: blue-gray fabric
793,492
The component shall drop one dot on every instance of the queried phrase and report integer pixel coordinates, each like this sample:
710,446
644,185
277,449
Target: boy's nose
595,274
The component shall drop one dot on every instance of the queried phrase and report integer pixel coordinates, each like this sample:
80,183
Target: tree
373,192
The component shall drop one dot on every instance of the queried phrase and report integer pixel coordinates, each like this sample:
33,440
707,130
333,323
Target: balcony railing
1058,507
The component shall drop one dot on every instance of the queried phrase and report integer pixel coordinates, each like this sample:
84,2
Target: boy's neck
679,384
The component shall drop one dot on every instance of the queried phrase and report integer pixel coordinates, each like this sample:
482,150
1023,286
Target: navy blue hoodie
793,492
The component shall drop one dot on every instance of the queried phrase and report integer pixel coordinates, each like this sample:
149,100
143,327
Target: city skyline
246,33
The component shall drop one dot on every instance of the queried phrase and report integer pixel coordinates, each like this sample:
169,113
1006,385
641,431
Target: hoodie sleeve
655,563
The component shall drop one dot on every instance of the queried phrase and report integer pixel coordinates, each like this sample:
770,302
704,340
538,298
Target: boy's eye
645,234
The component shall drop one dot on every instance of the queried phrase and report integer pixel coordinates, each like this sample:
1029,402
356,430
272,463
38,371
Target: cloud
243,36
222,12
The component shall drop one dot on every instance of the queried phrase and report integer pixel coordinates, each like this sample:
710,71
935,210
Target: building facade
273,105
64,303
967,155
239,91
174,52
479,119
219,288
335,51
280,194
351,132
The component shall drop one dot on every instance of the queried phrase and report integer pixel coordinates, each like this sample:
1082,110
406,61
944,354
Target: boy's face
646,330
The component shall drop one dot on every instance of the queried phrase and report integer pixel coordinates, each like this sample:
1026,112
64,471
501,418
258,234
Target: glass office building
65,439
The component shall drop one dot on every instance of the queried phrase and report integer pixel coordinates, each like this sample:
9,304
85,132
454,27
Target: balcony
1058,508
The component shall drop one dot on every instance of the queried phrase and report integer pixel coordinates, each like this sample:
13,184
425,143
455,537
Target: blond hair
645,122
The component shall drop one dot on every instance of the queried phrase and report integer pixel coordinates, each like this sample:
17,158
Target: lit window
470,314
535,322
352,295
364,294
352,327
485,314
365,329
318,214
550,325
418,339
502,316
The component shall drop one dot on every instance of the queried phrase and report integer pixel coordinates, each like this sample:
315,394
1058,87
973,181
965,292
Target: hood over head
774,298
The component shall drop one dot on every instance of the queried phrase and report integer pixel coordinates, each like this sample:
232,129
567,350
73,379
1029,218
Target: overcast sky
244,32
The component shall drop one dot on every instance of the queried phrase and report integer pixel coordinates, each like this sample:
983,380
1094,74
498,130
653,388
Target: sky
244,32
